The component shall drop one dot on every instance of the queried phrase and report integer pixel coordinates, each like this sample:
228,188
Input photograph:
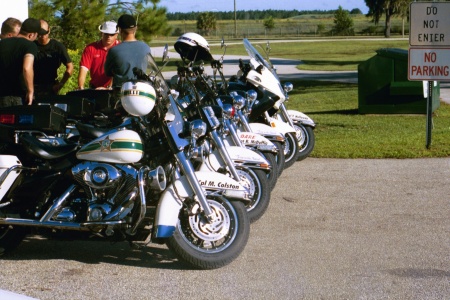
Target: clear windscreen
160,83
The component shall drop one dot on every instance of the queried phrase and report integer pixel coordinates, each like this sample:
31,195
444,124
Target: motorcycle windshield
253,53
159,83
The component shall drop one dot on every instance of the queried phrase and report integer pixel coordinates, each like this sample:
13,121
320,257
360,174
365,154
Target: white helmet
138,98
193,47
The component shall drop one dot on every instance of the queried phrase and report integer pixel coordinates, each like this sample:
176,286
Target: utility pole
235,24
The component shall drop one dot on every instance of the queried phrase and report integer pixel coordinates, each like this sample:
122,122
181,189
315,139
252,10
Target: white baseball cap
109,27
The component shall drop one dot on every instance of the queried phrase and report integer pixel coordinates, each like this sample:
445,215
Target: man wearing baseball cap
94,56
131,53
16,65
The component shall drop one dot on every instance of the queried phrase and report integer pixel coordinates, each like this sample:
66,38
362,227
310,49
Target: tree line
253,14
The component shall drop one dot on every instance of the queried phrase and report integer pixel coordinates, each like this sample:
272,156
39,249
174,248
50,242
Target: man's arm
82,77
66,76
28,76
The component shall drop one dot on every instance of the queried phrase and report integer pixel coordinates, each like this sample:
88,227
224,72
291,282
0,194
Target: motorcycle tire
279,158
272,176
291,148
10,238
258,185
205,245
306,140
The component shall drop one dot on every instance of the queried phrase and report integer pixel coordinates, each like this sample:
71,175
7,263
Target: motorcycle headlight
197,128
228,111
238,101
287,87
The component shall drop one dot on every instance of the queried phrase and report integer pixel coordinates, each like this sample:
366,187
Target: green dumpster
384,88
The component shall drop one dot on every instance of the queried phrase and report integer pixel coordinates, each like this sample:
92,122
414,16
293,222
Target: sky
228,5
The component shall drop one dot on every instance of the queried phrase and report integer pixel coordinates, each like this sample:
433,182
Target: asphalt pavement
334,229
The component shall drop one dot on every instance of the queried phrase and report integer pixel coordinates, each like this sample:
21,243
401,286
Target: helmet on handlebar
193,46
137,98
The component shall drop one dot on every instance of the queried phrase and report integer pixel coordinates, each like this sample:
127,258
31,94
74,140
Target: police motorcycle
261,74
244,165
134,183
267,140
214,92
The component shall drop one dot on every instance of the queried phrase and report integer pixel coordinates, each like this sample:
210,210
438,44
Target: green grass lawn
343,133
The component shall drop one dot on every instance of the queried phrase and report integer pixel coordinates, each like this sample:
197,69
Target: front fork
188,171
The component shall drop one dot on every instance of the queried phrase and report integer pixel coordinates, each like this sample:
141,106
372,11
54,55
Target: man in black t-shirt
16,65
51,55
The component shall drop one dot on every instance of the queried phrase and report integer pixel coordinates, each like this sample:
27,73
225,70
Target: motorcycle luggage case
76,107
47,118
102,98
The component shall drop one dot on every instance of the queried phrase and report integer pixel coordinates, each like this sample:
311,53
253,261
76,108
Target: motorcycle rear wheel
10,238
212,245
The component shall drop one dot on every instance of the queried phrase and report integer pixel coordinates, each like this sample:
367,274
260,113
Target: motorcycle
134,183
261,74
242,164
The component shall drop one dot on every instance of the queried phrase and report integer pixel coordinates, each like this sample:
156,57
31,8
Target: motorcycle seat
40,149
89,131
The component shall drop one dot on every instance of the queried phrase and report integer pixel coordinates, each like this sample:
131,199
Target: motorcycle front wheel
272,176
291,149
306,140
211,245
279,157
259,189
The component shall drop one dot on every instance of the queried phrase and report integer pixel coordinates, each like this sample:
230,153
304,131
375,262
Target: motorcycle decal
297,116
124,146
250,138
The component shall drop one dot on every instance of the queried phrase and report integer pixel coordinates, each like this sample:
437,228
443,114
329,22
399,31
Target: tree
389,8
343,23
75,22
206,22
269,23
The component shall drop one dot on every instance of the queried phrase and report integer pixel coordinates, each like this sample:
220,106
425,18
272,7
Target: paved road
335,229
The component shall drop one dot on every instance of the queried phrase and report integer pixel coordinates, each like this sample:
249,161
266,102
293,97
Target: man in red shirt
94,56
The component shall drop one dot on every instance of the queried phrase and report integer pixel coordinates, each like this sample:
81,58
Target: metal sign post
429,52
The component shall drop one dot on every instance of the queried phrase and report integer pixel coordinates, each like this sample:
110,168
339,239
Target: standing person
16,65
131,53
10,28
94,56
51,55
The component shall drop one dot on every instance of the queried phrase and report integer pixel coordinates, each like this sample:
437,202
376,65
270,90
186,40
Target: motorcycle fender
244,155
170,203
7,178
281,126
299,117
255,139
266,130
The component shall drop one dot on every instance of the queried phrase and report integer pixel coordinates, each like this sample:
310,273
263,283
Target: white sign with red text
429,64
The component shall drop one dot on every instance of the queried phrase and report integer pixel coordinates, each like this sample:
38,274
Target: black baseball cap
32,25
126,21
